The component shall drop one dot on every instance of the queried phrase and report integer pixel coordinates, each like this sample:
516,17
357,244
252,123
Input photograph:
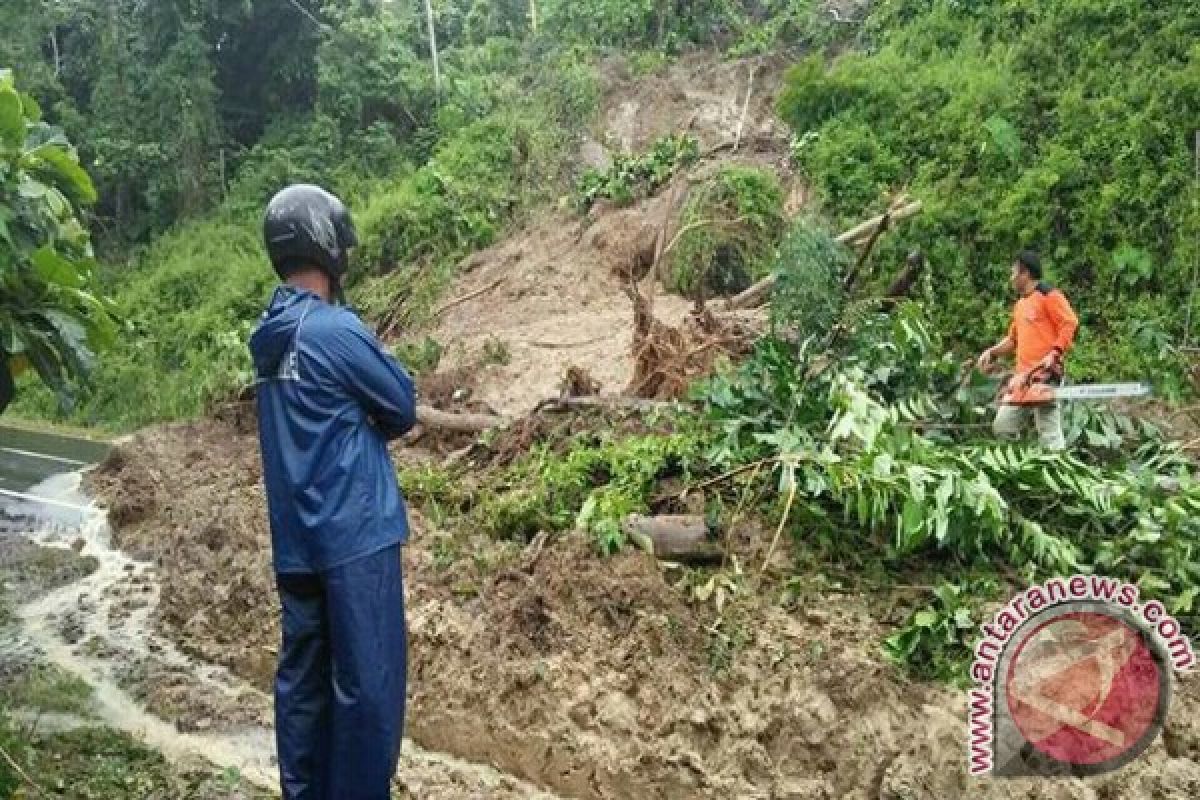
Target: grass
89,763
496,351
47,568
45,687
101,764
38,425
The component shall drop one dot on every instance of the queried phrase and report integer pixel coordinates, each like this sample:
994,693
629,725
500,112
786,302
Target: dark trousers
340,685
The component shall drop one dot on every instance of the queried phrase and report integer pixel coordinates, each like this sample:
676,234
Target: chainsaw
1041,386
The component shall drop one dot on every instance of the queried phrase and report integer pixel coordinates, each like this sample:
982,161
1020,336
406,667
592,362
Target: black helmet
306,225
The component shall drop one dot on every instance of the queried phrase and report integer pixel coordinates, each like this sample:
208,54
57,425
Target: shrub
633,177
729,231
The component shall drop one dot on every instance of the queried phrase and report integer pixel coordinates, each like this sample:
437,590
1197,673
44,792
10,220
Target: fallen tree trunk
860,234
754,296
914,266
863,230
430,417
868,246
442,309
607,402
675,537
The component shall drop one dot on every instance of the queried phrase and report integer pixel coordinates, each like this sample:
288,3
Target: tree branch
467,297
757,294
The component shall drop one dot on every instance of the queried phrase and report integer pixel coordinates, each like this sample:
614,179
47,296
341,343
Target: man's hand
1052,362
984,363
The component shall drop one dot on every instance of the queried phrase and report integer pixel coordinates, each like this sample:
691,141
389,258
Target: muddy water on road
99,628
105,640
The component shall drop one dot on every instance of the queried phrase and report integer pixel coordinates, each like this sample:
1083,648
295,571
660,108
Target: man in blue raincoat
329,400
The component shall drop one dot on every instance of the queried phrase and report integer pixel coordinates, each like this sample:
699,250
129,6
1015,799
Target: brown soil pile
553,296
560,304
592,677
189,498
695,93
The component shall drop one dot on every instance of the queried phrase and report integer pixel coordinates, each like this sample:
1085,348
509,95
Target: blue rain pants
341,680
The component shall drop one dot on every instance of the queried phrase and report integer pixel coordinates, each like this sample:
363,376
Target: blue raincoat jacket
329,399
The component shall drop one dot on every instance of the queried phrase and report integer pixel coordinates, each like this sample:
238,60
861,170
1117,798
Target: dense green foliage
174,101
188,309
161,95
728,232
631,177
49,317
738,26
1064,125
589,481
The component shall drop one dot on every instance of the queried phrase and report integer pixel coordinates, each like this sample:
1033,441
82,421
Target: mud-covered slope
591,677
552,295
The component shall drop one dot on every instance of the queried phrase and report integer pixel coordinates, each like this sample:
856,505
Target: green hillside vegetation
221,106
1064,126
1067,126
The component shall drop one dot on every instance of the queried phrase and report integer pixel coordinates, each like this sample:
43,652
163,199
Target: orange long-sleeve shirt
1042,321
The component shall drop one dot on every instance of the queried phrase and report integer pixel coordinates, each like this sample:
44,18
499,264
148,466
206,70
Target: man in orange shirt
1042,331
